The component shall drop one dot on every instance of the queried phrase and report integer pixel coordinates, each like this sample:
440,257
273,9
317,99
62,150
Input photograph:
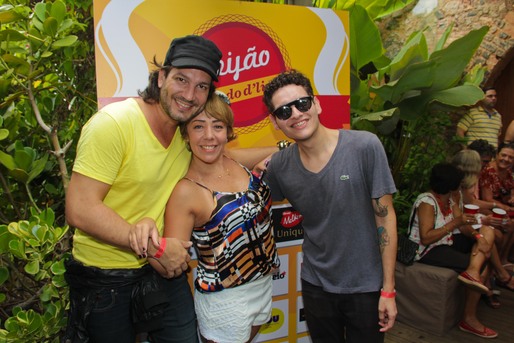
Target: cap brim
186,62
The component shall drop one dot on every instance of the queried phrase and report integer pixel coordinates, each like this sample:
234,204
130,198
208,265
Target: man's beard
165,102
179,118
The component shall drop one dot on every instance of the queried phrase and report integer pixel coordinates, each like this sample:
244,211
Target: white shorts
228,315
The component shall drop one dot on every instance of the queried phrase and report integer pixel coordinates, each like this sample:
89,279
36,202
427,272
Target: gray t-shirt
341,249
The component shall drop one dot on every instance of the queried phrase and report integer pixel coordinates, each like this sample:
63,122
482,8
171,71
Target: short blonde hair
470,163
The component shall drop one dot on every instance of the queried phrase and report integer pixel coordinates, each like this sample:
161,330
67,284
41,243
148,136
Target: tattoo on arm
383,237
380,210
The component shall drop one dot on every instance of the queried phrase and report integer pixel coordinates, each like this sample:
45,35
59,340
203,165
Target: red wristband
478,235
162,247
385,294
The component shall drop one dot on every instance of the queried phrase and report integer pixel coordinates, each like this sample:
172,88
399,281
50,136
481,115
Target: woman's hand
506,224
139,235
491,220
466,219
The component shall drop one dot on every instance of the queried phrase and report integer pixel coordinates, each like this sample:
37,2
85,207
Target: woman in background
435,216
469,162
497,185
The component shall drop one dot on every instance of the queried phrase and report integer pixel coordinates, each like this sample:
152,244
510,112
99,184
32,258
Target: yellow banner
258,41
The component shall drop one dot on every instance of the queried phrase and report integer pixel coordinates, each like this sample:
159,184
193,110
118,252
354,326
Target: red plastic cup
470,209
499,213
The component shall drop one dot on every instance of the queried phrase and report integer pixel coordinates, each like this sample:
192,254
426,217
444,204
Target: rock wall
435,16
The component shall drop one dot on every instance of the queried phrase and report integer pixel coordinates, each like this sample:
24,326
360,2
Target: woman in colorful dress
227,210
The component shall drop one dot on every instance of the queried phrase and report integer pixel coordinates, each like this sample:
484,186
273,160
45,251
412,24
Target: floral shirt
489,179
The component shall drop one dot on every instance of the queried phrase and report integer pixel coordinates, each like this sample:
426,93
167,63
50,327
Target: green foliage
416,82
33,292
426,143
423,89
47,92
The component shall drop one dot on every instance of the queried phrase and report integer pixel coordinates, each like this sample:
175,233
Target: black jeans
102,304
110,320
340,318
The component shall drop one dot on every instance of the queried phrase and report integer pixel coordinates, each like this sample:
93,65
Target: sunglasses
284,112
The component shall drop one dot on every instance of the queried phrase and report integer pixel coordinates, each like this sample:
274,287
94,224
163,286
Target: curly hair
483,147
445,178
289,77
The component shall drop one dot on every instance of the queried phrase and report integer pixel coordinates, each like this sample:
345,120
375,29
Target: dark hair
483,147
288,77
506,145
488,88
151,94
445,178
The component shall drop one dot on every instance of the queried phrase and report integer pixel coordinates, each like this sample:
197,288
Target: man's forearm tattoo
380,210
383,237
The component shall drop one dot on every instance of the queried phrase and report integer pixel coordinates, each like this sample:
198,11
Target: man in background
482,121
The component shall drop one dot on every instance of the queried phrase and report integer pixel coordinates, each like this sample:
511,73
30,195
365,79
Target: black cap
194,52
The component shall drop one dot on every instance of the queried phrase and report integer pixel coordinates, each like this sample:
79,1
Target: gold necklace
226,173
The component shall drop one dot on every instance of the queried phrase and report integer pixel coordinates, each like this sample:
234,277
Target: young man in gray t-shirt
339,180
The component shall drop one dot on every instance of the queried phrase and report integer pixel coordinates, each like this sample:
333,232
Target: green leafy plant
32,285
47,91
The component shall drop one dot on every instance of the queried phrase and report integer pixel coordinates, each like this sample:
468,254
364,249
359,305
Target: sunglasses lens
285,112
303,104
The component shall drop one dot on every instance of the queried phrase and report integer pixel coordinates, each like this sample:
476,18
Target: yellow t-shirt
478,124
118,147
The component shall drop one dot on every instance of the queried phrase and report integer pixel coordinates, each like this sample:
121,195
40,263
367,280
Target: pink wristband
385,294
162,247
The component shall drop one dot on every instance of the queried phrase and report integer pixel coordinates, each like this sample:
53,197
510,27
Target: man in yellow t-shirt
129,158
482,121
